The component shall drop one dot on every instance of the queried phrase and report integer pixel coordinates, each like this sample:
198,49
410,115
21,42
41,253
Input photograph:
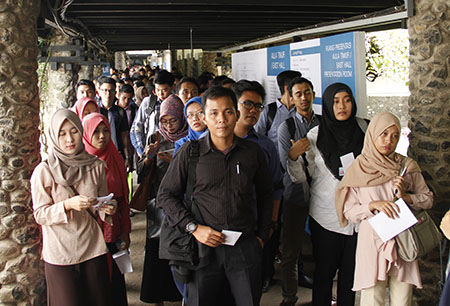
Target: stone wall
21,270
429,110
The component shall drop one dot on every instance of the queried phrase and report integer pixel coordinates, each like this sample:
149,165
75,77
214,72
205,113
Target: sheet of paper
388,228
102,200
231,237
347,160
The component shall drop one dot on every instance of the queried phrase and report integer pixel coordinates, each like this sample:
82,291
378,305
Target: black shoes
305,281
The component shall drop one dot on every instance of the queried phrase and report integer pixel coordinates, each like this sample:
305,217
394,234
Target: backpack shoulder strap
291,127
271,115
362,123
194,153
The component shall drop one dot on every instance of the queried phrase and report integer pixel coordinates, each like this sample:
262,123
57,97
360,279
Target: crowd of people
235,183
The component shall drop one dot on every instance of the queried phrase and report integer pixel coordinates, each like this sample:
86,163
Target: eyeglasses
169,122
191,116
249,104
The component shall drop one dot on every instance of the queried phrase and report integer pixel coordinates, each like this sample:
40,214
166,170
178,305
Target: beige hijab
67,169
371,168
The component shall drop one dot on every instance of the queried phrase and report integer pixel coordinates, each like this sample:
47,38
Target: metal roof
218,24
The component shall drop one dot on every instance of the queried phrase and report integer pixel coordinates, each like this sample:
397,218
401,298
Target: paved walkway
133,280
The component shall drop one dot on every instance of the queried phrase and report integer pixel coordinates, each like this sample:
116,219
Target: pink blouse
68,237
375,260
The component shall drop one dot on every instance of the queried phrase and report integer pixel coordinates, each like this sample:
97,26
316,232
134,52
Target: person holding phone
64,189
157,282
369,187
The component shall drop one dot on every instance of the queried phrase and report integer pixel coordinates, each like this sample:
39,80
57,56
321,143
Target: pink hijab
116,173
80,105
173,106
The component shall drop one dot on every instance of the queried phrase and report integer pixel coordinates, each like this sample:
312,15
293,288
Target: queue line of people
268,192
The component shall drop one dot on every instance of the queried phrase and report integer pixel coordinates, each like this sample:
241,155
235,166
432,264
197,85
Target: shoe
267,283
284,303
305,281
131,213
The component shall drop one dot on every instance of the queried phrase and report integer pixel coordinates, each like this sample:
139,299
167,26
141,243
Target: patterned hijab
67,169
140,95
337,138
173,106
372,168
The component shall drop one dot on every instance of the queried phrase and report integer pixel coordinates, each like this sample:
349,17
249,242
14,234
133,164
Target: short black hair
120,81
104,79
285,77
186,80
128,79
245,85
218,80
139,83
299,80
216,92
204,79
126,88
227,80
86,82
164,77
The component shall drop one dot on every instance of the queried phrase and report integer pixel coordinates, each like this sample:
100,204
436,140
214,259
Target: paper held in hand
103,200
388,228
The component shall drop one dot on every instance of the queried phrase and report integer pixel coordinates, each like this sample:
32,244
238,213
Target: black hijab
337,138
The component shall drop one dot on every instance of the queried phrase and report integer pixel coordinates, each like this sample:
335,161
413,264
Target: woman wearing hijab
84,107
97,140
368,188
157,282
192,112
141,93
338,134
64,190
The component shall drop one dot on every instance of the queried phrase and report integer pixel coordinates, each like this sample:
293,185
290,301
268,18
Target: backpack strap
194,154
271,115
362,123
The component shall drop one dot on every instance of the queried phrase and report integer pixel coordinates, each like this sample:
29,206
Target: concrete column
21,270
120,60
429,110
86,72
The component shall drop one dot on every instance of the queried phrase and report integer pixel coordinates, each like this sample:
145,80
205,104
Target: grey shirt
280,116
294,193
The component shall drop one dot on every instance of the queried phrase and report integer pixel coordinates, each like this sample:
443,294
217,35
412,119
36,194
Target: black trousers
332,252
238,265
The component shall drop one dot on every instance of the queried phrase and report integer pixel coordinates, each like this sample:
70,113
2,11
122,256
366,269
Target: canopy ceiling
216,24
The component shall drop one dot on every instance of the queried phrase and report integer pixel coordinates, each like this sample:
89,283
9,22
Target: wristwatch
191,227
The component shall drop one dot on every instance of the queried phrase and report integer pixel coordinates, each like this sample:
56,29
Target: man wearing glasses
117,117
250,95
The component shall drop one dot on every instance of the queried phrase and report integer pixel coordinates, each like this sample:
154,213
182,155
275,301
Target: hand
399,188
208,236
109,207
298,148
153,147
79,203
125,237
164,156
127,163
389,208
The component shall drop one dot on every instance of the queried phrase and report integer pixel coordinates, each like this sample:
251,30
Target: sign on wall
337,58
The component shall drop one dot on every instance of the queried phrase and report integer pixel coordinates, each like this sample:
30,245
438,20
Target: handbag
418,240
155,217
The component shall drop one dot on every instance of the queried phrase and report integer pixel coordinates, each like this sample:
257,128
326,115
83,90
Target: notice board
337,58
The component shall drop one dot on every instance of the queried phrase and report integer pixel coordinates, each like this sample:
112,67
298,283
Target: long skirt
83,284
157,281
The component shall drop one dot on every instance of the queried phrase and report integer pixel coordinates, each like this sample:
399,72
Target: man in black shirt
228,170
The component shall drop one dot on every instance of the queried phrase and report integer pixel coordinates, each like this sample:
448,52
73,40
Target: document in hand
388,228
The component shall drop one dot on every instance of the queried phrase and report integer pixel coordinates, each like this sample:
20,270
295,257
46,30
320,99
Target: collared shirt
223,189
280,116
144,125
273,160
294,193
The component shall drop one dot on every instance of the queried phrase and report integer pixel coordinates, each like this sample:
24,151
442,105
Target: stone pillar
97,71
120,60
21,270
429,32
429,110
86,72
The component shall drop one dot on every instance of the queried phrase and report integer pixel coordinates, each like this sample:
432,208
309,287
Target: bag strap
194,154
291,128
271,115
